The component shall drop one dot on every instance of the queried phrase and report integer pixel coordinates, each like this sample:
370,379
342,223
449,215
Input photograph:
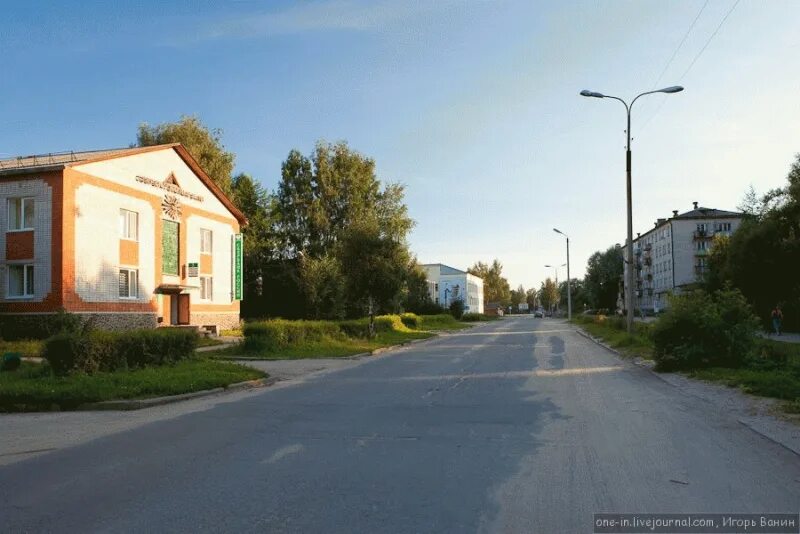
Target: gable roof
444,269
61,160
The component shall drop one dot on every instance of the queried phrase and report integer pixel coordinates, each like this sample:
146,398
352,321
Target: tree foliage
204,144
518,296
495,287
603,273
762,256
548,294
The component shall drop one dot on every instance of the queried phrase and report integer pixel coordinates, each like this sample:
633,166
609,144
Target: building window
170,247
20,281
128,287
129,225
205,241
20,213
206,288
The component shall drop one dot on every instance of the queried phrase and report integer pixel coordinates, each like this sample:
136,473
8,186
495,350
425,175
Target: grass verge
326,348
203,341
34,388
631,345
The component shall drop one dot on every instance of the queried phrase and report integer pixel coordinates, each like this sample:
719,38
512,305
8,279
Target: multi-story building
671,256
446,284
134,237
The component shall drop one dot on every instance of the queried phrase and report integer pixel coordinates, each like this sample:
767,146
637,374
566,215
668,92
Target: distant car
548,313
538,313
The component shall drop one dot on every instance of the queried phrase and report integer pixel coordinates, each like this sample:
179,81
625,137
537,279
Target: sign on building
194,270
238,267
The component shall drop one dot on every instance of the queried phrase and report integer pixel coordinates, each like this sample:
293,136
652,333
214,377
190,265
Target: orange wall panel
206,264
19,245
128,252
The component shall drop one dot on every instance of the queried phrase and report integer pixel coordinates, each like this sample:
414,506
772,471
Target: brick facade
80,258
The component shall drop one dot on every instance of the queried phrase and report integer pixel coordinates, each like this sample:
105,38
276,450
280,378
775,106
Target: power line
696,57
675,53
700,53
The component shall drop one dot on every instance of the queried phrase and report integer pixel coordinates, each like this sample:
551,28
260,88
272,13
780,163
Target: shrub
475,317
280,333
383,323
411,320
457,308
702,330
90,352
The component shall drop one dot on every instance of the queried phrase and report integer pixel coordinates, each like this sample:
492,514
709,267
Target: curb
649,366
138,404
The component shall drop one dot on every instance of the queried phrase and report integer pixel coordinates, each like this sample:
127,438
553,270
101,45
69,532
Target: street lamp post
569,281
629,246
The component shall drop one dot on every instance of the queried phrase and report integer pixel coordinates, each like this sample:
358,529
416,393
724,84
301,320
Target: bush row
95,351
280,333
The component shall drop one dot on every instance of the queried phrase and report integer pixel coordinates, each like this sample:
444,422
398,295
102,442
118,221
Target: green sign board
169,247
238,267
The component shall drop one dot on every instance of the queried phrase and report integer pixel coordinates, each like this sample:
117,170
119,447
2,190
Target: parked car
539,312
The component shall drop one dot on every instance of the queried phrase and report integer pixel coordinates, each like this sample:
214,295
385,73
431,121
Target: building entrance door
179,309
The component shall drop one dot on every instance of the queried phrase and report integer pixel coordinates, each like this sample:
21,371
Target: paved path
516,426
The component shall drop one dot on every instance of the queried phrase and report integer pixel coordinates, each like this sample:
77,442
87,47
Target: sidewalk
784,338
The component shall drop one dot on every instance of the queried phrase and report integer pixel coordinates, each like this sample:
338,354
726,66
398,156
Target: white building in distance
671,257
446,284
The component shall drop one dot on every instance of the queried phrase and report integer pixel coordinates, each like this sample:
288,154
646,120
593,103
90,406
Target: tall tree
603,273
548,294
518,296
204,144
495,287
531,298
376,265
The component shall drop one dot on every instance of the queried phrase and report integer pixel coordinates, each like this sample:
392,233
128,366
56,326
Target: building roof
60,160
708,213
444,269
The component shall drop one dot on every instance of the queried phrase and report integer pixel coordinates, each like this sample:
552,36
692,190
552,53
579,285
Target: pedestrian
777,319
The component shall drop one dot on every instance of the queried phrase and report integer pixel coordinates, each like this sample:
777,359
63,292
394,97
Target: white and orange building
129,238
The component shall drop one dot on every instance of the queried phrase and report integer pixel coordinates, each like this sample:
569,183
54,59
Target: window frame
132,281
22,213
27,280
207,288
203,233
125,221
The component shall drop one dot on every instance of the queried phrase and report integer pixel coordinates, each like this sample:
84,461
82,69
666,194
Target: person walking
777,319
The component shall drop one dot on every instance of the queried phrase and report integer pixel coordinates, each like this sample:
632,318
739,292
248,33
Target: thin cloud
330,15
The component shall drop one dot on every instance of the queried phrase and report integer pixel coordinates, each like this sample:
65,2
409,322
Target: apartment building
446,284
129,238
672,256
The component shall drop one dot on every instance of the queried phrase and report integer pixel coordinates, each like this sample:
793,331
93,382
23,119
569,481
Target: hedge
280,333
100,351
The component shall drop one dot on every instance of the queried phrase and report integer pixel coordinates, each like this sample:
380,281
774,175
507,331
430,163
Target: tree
260,241
531,298
321,209
603,274
204,144
580,297
376,266
495,287
548,294
518,296
762,256
417,298
323,285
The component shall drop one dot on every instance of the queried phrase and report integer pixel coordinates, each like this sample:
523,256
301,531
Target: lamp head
592,94
670,90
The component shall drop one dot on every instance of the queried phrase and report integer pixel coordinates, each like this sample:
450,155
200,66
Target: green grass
33,388
443,321
204,341
232,333
27,347
636,344
327,348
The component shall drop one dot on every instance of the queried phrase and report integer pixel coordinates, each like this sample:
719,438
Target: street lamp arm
627,108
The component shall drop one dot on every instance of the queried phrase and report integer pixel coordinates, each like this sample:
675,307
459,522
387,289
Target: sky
473,105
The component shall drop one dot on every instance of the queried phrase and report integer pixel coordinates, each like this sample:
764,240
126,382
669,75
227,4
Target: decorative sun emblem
171,206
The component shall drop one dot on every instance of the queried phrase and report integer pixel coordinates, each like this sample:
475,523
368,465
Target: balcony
648,261
700,252
702,234
648,247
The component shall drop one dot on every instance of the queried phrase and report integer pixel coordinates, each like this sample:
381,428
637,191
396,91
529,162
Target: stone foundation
223,321
42,325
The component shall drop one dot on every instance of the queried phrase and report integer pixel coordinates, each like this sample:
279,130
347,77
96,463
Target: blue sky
473,105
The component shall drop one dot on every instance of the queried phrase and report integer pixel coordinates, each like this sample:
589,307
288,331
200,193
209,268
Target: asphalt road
516,426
